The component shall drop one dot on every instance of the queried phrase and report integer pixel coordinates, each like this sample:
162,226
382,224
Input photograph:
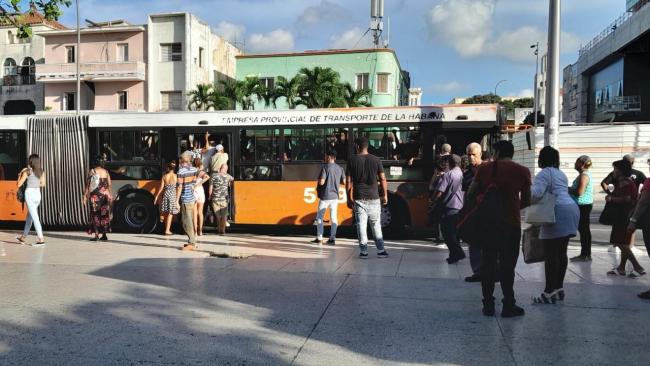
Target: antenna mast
376,21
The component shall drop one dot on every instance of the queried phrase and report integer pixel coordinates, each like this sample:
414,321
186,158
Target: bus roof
460,115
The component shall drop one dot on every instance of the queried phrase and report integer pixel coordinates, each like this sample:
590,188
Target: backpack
93,181
484,220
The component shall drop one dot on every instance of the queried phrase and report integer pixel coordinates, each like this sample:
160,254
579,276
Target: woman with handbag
33,179
98,192
552,184
621,203
641,220
582,192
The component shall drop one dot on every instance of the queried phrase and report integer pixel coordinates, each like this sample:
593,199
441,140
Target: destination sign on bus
446,113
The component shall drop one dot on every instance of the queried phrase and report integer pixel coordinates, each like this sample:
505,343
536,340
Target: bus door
195,140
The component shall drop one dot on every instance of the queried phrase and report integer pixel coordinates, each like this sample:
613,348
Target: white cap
219,147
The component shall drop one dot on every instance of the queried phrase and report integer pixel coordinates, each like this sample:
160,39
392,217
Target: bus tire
135,212
394,216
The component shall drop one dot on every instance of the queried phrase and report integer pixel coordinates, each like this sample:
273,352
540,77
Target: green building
376,69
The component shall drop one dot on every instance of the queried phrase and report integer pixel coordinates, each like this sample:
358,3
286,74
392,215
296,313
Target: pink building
112,68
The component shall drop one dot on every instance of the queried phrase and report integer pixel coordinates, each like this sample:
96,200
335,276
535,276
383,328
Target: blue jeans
364,211
449,233
32,201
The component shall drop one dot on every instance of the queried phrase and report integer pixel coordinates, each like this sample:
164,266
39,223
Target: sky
452,48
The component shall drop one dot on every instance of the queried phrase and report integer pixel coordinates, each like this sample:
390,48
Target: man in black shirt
637,176
363,171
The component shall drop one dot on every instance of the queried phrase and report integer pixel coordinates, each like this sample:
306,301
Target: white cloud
448,87
464,24
467,26
351,39
230,31
326,11
276,40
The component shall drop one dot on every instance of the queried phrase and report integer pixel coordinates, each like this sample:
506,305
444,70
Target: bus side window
337,139
10,155
304,144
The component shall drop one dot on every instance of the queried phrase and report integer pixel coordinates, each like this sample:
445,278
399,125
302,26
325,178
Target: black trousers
504,251
556,263
585,230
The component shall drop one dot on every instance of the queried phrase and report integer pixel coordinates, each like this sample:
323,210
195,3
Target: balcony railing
93,71
610,29
16,80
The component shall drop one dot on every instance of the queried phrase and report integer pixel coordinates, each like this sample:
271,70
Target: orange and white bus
275,157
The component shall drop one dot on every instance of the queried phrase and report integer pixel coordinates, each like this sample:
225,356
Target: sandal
545,298
636,274
21,238
560,294
616,272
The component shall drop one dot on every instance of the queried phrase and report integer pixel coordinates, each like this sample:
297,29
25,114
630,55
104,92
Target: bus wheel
394,216
135,213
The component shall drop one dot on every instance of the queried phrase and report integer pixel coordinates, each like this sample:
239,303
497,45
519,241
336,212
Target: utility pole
536,90
552,121
76,58
497,85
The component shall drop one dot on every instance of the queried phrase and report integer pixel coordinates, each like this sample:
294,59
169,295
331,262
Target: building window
382,83
171,101
122,100
69,52
171,52
362,81
69,100
201,56
268,83
28,71
123,52
10,67
11,37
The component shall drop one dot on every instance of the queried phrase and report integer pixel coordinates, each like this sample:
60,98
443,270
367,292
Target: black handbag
532,247
20,194
613,213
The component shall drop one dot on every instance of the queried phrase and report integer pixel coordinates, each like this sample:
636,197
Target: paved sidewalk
280,300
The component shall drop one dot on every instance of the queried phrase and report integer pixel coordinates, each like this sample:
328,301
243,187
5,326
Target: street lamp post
552,122
536,96
497,85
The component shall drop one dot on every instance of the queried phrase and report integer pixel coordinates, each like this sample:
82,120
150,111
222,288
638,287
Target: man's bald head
474,153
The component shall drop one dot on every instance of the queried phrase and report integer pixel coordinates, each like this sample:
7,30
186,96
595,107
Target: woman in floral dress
98,194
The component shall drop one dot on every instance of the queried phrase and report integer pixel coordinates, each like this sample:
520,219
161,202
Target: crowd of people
460,185
460,188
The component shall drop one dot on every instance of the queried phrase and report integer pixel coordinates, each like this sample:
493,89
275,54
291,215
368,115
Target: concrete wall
165,76
224,65
200,36
33,48
348,65
95,47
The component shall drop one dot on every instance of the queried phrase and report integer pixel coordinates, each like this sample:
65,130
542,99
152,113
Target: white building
415,96
20,92
183,52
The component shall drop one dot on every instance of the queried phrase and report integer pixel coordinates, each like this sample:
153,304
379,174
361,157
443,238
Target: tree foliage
13,14
510,105
318,87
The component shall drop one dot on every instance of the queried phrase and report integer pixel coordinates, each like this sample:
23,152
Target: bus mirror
203,123
462,117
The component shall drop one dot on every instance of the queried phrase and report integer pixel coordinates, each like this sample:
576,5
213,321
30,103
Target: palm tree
219,102
357,97
228,89
289,89
200,97
320,88
249,90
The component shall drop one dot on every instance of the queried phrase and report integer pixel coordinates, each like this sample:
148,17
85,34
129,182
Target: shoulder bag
532,247
93,181
543,211
20,194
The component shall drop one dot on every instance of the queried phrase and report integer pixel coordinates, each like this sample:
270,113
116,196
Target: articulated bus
275,157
